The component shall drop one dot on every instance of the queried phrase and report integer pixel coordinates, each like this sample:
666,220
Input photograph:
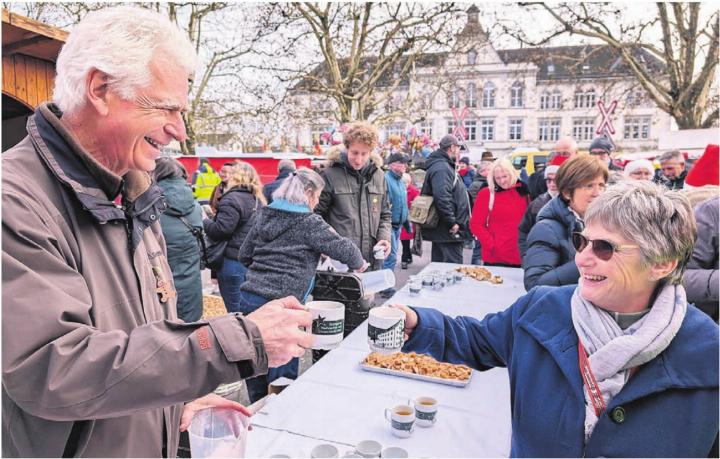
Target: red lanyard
591,384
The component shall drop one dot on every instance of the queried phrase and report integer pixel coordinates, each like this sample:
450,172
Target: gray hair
293,188
122,42
659,221
286,164
484,165
668,155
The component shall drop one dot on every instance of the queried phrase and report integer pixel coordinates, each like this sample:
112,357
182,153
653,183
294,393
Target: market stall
337,402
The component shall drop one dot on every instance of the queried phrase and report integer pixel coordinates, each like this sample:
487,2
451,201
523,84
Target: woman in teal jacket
618,365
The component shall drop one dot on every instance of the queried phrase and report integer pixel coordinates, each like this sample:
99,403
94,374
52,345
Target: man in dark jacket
285,168
533,209
451,201
701,277
601,147
354,200
672,170
565,148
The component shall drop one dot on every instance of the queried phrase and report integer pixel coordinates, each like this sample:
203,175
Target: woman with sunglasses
549,258
616,366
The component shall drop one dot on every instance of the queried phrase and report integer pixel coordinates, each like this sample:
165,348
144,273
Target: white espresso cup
386,328
368,448
328,323
425,411
402,420
324,450
394,452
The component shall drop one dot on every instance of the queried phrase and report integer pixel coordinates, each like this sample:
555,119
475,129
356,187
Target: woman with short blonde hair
497,213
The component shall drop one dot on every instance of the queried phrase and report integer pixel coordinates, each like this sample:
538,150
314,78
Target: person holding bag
234,218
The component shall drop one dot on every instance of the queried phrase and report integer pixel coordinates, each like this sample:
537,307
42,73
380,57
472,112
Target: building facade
515,98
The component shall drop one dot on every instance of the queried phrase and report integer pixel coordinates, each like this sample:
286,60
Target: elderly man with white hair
640,169
95,362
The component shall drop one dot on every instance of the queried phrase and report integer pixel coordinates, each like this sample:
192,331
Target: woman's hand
208,401
411,319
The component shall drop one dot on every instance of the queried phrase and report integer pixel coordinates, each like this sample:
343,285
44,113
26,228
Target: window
551,101
487,130
548,129
426,101
488,100
583,129
585,99
472,57
451,126
394,129
471,96
637,127
426,128
316,134
516,94
636,98
515,129
471,130
454,98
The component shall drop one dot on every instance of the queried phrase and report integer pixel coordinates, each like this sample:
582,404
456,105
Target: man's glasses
549,180
602,249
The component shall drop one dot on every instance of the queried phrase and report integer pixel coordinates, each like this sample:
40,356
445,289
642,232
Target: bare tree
368,50
688,48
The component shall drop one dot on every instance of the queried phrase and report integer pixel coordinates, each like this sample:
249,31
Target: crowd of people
105,352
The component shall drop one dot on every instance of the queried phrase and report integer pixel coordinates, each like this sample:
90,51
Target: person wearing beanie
640,169
530,216
466,172
451,201
601,147
397,196
565,148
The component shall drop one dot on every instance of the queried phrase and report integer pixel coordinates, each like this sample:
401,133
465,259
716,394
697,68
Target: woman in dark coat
234,218
183,251
550,256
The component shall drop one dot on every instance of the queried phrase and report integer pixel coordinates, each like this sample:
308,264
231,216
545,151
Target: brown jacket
94,363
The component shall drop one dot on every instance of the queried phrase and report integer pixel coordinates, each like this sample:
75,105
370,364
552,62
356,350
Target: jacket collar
95,186
555,332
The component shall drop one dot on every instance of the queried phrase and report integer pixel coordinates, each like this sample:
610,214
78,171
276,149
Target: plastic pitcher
377,281
218,432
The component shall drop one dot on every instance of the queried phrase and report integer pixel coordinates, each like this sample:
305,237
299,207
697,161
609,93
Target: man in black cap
451,201
601,148
397,196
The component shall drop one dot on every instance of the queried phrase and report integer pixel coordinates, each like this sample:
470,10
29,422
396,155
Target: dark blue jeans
258,386
230,278
476,253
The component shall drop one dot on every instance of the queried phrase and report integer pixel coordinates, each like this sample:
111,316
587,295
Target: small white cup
368,448
324,450
328,323
425,411
402,420
386,328
394,452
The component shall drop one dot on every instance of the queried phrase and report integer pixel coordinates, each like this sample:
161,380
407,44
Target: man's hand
362,268
386,246
208,401
454,229
411,319
279,322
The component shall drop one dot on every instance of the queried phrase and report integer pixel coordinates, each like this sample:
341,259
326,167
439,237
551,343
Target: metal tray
404,374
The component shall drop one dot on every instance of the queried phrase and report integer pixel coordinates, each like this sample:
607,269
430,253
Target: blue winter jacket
668,408
550,255
397,195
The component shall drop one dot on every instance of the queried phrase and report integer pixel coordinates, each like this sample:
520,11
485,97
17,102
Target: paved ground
401,277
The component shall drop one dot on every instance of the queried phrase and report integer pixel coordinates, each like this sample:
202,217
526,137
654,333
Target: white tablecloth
337,402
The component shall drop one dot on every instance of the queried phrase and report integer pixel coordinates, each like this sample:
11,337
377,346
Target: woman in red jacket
405,236
497,213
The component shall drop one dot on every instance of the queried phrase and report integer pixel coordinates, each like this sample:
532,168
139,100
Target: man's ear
96,91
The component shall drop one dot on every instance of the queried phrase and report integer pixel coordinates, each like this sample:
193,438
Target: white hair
122,42
288,164
293,188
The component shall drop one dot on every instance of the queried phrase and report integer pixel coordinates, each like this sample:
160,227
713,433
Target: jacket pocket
374,203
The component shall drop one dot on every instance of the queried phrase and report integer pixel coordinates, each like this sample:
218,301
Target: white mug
386,329
328,323
425,411
402,420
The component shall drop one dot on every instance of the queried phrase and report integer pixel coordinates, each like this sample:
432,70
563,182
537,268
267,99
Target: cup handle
387,411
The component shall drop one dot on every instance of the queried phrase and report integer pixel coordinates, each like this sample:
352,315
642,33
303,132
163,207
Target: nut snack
213,306
419,364
479,273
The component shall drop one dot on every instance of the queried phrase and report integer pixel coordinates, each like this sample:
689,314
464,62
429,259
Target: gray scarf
613,351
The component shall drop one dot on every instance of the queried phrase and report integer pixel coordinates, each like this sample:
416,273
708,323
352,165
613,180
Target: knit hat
398,157
705,169
632,166
601,145
551,169
558,160
465,160
448,141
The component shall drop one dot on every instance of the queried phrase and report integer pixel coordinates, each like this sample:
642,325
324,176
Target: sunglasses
602,249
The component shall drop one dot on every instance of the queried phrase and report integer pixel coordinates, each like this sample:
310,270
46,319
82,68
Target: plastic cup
218,432
377,281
